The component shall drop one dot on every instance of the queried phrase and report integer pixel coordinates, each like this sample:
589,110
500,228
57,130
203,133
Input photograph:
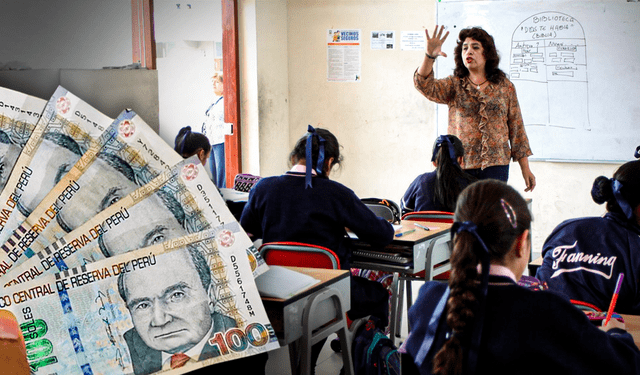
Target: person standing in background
215,129
483,107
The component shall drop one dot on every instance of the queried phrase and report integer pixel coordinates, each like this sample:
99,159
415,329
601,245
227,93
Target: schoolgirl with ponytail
482,322
188,143
304,205
583,257
438,190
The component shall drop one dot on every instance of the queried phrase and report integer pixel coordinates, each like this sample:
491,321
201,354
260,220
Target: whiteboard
575,65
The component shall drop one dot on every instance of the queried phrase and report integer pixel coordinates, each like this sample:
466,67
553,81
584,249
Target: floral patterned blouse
485,121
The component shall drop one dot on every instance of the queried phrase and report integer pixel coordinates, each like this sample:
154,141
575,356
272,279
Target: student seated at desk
304,205
438,190
482,322
583,257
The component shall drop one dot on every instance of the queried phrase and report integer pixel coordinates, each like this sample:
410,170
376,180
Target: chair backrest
436,216
384,208
299,254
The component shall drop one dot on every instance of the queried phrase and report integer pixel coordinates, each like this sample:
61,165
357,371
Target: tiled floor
329,362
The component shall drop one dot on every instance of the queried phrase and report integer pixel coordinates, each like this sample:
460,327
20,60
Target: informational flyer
343,55
413,41
383,40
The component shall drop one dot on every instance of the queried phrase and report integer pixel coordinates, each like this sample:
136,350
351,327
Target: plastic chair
299,254
384,208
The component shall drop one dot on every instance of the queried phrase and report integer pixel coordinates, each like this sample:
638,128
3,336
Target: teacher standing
215,129
483,107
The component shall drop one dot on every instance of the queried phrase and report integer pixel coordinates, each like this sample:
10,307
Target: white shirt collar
299,168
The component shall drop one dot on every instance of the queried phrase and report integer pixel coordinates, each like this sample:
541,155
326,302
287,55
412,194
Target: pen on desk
614,299
421,226
407,232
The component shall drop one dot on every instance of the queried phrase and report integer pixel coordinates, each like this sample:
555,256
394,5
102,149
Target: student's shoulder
577,223
541,305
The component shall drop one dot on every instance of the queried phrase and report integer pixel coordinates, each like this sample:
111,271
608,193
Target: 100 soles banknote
130,313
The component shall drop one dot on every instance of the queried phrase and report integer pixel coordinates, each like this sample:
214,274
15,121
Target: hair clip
511,213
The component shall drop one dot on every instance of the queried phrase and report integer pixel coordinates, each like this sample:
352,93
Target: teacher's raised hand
434,44
434,49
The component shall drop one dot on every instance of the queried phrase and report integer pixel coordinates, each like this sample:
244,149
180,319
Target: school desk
312,314
632,324
534,265
407,255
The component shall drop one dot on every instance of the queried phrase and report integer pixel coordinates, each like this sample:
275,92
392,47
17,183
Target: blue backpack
374,352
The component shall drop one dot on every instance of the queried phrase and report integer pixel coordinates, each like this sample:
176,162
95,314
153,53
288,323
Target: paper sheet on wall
343,55
413,41
383,39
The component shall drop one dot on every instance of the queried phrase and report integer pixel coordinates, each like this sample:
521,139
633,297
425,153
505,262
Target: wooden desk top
632,324
326,277
420,234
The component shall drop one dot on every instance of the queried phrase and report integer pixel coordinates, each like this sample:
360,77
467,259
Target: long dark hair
450,178
492,72
501,215
187,143
331,149
628,175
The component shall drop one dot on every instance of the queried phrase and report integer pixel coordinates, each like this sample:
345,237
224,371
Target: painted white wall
385,126
186,36
65,34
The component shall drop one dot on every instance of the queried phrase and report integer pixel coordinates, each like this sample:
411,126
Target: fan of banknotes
118,256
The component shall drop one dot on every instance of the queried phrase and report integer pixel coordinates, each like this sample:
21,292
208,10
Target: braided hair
501,216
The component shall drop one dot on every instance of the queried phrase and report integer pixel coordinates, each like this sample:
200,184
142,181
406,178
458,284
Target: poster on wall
343,55
413,41
383,39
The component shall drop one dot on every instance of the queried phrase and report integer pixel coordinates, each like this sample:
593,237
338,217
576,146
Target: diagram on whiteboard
548,60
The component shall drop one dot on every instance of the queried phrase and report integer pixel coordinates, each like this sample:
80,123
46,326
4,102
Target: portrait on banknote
172,312
186,305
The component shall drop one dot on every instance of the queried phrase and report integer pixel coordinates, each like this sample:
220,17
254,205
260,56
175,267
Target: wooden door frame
231,73
144,53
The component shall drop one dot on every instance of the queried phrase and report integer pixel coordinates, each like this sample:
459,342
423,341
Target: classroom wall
385,126
186,37
65,34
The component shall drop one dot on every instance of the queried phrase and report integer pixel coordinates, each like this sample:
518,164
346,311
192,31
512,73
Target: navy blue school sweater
528,332
281,209
420,194
583,257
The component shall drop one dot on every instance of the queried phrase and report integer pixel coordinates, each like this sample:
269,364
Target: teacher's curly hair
492,72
